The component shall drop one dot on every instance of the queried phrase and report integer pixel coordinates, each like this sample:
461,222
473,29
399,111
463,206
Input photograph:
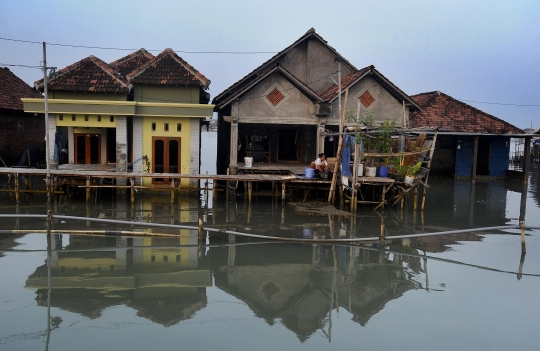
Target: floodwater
474,291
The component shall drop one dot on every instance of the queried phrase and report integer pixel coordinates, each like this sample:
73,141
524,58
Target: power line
13,65
155,50
500,103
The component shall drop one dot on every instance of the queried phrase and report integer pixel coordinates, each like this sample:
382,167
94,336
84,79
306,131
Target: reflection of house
465,134
139,105
294,284
136,275
17,128
284,106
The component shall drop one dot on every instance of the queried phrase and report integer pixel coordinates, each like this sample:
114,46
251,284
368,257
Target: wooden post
250,187
527,156
283,192
523,248
415,198
201,236
475,159
338,155
227,187
521,262
88,189
17,195
173,197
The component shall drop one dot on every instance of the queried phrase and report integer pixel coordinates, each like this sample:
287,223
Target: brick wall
18,130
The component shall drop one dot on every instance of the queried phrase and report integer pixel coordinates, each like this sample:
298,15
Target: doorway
288,140
484,151
88,149
165,157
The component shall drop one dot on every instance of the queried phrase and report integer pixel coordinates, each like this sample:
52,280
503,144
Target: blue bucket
383,171
309,172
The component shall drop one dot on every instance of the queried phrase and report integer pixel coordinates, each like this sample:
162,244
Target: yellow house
142,111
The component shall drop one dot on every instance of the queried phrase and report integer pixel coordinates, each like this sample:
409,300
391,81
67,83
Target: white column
194,150
71,145
51,134
138,144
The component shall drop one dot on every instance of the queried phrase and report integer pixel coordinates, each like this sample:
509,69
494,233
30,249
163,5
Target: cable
155,50
500,103
25,66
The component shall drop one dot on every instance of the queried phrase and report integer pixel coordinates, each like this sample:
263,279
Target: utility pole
47,152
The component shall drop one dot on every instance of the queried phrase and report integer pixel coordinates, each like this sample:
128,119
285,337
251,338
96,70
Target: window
166,127
73,118
86,118
177,258
165,258
153,126
99,118
60,117
178,127
112,119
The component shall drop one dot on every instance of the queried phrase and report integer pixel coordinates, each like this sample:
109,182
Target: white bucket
360,169
248,161
371,171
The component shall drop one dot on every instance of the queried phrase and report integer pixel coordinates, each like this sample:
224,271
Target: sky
483,52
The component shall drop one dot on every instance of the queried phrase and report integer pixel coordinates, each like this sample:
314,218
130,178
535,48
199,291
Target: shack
278,113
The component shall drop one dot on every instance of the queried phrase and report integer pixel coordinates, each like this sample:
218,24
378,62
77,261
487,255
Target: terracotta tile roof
168,69
12,89
333,90
131,62
448,114
88,75
246,80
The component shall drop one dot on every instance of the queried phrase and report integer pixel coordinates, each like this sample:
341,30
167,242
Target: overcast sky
481,50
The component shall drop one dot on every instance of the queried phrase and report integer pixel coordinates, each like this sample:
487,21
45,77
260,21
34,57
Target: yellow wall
184,144
80,121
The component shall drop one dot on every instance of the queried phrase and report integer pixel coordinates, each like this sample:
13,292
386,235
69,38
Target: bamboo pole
429,167
340,145
523,247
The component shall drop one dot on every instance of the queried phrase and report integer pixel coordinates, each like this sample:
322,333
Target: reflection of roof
12,89
448,114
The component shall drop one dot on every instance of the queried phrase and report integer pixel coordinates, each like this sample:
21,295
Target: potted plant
411,172
402,172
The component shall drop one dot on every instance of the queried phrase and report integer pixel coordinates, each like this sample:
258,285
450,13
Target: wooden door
165,157
87,148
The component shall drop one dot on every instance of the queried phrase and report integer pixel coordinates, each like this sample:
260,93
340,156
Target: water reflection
163,282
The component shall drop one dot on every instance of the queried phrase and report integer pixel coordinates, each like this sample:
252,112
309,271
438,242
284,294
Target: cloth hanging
57,147
348,144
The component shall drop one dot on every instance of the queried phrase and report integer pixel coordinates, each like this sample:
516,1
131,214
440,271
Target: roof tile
131,62
12,89
448,114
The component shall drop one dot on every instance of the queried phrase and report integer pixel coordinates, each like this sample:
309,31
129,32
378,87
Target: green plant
404,170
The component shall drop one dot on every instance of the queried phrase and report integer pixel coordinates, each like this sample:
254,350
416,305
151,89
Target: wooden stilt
415,201
250,187
201,236
283,192
17,195
523,247
88,189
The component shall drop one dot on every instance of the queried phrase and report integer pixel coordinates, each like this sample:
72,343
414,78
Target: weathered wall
385,105
17,130
312,63
464,156
499,156
444,156
166,94
86,96
296,109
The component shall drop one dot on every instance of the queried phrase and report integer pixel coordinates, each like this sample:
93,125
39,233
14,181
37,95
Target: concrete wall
297,109
167,94
464,156
311,62
498,157
86,96
385,106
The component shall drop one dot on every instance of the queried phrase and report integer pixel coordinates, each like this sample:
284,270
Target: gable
275,100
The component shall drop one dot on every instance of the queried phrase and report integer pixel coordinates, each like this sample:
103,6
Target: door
287,144
88,148
165,156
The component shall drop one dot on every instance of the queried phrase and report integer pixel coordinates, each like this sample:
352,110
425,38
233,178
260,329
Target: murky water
463,291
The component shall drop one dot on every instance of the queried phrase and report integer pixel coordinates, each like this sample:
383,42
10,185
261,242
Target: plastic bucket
248,161
309,172
383,171
371,171
360,169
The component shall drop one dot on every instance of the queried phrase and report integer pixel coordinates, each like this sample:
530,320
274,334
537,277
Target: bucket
383,171
409,179
248,161
360,169
371,171
309,172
